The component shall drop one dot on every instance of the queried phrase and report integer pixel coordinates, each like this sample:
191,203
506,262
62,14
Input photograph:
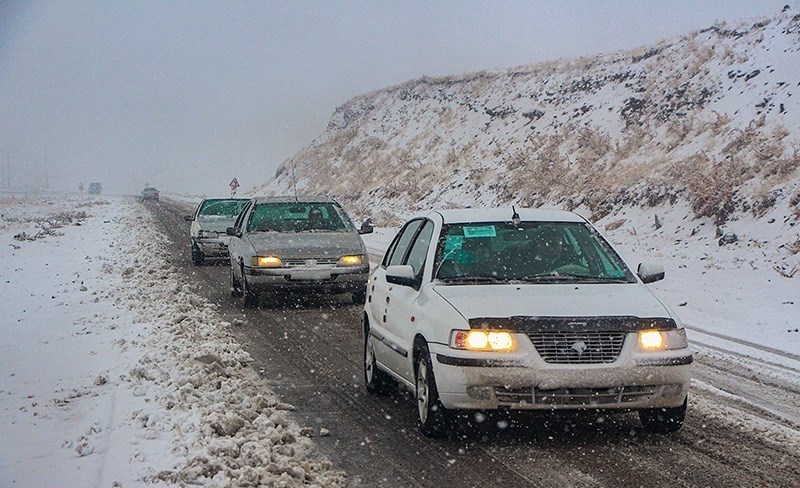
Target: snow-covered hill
710,120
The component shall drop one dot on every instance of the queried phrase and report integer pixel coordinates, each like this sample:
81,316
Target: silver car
209,223
296,243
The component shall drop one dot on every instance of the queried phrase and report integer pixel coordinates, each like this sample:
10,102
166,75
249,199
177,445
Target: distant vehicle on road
289,243
95,188
209,221
488,309
150,193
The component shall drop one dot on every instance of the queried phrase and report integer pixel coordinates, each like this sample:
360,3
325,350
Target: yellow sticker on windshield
479,231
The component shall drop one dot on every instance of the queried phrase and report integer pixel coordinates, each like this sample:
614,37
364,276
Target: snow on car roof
458,215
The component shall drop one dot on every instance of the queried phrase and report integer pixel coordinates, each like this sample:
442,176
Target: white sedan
483,309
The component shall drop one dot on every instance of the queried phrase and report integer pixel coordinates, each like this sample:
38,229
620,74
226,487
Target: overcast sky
186,95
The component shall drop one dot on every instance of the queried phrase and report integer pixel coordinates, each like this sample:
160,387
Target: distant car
149,193
95,188
209,221
297,244
487,309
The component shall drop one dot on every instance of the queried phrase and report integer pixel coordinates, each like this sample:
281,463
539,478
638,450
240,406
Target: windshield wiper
571,277
473,279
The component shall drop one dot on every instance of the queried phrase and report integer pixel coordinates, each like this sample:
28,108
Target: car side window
419,250
402,242
240,218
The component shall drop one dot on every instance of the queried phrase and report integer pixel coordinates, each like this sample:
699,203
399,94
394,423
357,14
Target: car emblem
311,262
579,347
578,324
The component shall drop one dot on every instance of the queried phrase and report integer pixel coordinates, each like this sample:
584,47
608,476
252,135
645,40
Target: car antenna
294,183
515,216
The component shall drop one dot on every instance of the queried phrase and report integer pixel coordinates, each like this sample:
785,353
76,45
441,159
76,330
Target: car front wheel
236,290
663,420
250,296
376,381
434,419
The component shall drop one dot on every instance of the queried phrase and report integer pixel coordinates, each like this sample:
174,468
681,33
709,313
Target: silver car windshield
537,252
299,217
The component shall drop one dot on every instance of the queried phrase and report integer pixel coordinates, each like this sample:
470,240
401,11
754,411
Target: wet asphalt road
309,352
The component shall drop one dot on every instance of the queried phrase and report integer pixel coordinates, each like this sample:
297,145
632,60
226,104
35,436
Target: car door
236,244
387,350
400,319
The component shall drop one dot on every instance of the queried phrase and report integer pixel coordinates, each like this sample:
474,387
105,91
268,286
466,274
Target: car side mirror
366,227
650,272
401,274
231,231
188,218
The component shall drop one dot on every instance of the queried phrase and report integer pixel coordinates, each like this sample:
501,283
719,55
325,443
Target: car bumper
331,280
524,381
212,246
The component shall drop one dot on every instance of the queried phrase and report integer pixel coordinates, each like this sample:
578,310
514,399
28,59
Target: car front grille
578,347
310,262
575,396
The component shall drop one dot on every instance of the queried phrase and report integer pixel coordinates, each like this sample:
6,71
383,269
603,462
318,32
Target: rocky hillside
711,119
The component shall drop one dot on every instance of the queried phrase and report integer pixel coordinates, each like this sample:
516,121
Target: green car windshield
299,217
228,208
535,252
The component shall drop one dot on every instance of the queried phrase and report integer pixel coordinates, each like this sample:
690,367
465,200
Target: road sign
234,184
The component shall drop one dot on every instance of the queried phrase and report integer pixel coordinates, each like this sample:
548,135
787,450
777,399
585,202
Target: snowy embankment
115,373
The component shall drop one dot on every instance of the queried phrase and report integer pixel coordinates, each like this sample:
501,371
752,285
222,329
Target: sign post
234,184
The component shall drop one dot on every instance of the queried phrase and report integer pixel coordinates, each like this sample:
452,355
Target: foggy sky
186,95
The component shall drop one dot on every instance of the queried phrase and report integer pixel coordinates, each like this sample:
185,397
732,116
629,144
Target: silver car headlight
352,260
662,340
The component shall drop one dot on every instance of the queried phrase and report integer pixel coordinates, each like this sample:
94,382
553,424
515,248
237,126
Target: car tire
197,255
250,296
434,418
663,420
376,381
236,290
360,296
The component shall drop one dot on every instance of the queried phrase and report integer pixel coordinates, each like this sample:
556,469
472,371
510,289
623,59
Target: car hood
560,300
307,244
219,224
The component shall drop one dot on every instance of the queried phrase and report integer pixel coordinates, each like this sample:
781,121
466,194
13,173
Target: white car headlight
482,340
266,261
662,340
207,233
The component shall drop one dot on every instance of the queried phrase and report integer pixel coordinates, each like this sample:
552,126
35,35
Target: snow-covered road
122,364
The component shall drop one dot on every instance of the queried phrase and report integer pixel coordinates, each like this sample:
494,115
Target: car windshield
535,252
227,208
299,217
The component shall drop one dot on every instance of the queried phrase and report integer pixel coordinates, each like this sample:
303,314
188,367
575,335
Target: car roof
292,199
504,214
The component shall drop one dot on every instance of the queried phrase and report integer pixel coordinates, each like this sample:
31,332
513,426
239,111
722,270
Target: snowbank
114,372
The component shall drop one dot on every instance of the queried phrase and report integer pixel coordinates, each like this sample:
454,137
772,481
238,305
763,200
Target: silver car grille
576,396
578,347
309,262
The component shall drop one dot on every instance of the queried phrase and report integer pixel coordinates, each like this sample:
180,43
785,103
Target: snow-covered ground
114,373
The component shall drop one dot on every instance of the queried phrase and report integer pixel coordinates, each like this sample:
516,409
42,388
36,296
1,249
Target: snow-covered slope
711,119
